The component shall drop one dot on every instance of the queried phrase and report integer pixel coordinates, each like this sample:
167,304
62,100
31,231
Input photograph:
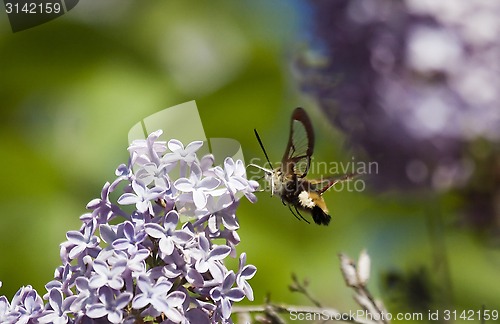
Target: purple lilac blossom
413,84
164,262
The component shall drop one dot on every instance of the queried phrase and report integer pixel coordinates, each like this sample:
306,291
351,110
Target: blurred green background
71,89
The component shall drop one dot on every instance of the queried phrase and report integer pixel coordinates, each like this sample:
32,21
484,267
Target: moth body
289,180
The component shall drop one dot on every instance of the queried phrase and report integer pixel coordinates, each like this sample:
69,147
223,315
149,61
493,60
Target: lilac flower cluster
413,83
164,262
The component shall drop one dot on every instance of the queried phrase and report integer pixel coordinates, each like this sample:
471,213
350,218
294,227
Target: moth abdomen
319,216
315,204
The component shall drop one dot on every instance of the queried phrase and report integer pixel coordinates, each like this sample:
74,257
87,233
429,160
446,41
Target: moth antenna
262,147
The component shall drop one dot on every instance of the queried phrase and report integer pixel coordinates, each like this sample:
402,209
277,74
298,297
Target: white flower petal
193,147
209,183
183,184
199,199
229,166
175,145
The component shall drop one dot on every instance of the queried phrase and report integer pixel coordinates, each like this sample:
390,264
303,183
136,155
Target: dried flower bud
348,269
363,268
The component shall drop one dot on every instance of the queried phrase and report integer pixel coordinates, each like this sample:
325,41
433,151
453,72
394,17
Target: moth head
269,176
275,180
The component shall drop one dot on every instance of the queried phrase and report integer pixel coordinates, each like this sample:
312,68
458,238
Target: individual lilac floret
159,298
134,236
7,315
109,305
185,156
59,308
103,206
234,178
142,197
81,241
161,260
224,295
199,186
106,276
245,272
167,234
148,150
207,257
150,172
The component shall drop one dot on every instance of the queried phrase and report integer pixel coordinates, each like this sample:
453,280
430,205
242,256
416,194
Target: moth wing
322,185
300,147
